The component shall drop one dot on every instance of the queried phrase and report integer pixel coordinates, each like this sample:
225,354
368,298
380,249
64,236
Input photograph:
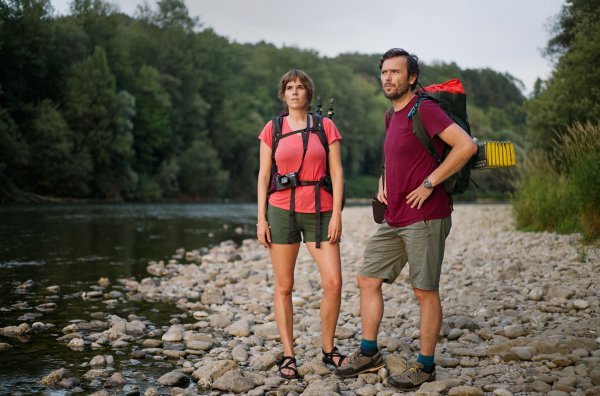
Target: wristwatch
427,184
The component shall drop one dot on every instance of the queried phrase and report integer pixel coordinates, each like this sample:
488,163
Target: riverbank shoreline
521,315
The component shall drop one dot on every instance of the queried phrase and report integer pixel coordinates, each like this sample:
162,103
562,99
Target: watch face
427,184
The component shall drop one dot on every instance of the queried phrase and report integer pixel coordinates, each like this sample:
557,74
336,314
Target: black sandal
329,356
286,364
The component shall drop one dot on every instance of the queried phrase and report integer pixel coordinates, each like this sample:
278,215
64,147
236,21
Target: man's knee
426,295
367,284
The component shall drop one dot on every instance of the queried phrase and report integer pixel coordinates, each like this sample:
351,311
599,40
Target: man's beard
398,93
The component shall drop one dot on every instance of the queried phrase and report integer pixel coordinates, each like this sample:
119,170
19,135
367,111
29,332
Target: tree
101,122
200,174
570,94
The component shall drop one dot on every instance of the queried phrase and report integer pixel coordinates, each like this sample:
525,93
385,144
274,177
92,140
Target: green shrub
560,191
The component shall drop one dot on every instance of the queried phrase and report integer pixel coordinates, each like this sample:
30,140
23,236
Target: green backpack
452,99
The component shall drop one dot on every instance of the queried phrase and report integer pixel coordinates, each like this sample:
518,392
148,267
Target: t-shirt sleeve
331,131
266,135
434,118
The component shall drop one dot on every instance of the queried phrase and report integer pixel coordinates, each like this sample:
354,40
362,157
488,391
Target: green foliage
200,174
560,191
100,105
572,93
361,186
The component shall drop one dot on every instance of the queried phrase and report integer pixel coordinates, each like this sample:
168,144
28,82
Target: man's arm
462,150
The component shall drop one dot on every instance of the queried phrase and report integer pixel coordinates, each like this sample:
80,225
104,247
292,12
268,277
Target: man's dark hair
412,63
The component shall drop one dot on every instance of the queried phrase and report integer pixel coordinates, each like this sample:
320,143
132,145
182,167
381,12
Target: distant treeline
101,105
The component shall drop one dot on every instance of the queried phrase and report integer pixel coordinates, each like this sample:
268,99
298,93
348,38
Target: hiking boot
412,378
359,363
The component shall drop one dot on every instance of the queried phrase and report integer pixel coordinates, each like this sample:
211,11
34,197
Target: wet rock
15,331
53,289
54,377
97,361
76,343
174,334
174,378
115,381
69,383
4,346
96,373
47,307
30,316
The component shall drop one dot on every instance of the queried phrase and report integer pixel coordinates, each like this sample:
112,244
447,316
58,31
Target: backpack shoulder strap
388,117
419,129
320,131
276,126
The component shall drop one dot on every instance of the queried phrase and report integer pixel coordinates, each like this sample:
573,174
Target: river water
73,246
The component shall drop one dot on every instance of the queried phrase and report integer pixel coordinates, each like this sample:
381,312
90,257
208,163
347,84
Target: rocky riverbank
521,316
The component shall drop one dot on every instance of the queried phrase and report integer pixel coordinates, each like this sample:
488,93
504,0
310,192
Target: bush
561,191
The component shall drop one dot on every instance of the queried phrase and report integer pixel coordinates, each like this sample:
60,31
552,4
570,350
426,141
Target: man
417,219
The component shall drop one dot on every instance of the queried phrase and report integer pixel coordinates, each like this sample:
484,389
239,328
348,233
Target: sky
507,36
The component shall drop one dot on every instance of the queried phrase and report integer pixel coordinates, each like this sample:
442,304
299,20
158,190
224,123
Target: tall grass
560,190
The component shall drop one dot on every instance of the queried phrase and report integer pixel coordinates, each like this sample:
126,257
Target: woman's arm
337,178
263,232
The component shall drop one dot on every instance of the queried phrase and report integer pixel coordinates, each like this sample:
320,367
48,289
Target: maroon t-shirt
407,164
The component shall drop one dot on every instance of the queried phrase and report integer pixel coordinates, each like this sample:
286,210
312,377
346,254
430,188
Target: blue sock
428,362
368,347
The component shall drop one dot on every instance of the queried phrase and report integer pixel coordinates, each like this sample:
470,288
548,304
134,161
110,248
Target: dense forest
104,106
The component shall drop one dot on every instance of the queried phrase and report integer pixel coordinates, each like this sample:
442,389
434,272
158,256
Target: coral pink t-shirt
289,157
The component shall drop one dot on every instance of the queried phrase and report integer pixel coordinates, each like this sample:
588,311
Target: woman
316,213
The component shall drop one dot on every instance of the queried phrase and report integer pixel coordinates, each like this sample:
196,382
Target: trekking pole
330,112
319,105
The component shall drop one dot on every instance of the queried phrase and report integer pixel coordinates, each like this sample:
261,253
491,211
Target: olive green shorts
420,244
305,226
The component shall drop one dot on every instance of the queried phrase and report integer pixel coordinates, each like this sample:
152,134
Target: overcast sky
507,36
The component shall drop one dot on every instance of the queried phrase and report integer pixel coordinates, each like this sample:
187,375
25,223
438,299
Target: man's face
395,79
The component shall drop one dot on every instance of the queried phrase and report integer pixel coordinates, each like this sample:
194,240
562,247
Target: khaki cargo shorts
420,244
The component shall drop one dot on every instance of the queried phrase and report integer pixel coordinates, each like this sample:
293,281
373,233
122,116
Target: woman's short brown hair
293,75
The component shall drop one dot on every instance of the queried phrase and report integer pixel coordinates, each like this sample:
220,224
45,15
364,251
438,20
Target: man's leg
371,305
425,243
430,324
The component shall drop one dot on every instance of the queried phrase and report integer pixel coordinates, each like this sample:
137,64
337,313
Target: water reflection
73,246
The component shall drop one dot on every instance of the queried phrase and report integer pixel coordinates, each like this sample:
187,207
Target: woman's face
295,95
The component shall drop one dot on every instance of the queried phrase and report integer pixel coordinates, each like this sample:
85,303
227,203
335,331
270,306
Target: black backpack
451,97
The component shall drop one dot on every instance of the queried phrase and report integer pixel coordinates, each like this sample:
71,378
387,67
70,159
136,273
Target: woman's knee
332,286
284,288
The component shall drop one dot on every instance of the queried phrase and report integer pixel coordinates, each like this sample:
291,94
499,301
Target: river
73,246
